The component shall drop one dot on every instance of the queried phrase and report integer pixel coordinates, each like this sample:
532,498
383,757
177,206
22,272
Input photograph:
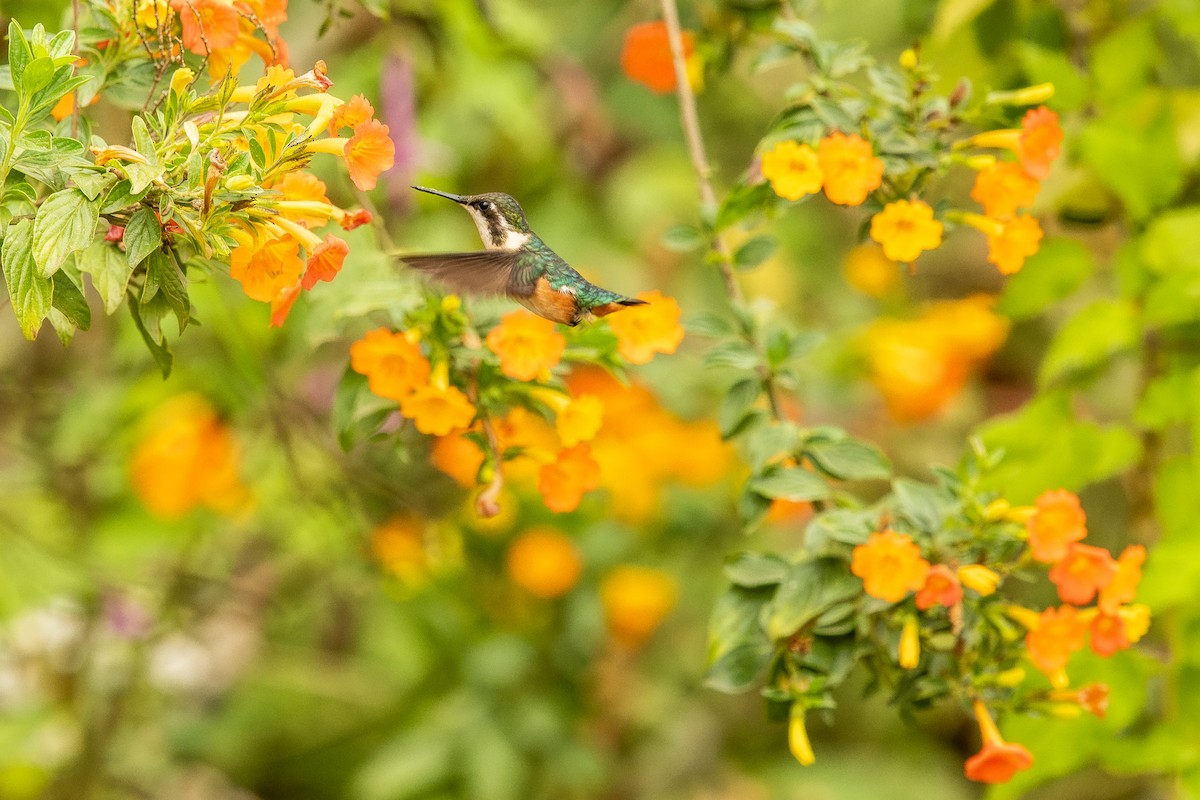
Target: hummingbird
518,264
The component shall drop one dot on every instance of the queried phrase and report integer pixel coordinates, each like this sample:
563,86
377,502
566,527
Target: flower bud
982,580
1011,677
910,644
909,59
798,737
240,183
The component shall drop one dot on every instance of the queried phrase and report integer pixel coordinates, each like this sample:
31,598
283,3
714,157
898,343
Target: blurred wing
481,272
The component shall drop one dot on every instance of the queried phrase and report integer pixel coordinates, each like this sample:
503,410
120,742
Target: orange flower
399,546
565,480
1057,634
890,565
850,168
369,152
1108,634
868,270
635,600
325,261
208,25
941,589
437,409
646,56
792,169
187,458
914,367
544,563
1040,141
392,363
1058,521
1123,586
298,185
64,108
1092,698
1082,572
351,114
642,331
265,264
998,760
458,457
576,419
1016,240
1003,188
281,304
528,345
906,228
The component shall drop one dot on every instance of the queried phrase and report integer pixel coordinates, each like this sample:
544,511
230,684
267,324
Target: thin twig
695,141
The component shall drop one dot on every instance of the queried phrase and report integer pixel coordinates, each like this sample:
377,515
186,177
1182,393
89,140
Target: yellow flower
849,167
528,345
392,362
906,228
983,580
564,481
910,644
635,600
181,79
544,562
1018,238
792,169
868,269
798,741
644,330
438,409
1003,188
154,14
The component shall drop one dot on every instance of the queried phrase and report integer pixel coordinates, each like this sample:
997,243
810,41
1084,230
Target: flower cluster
919,365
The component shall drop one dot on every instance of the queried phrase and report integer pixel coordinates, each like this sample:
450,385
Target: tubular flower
792,169
1108,634
153,13
325,261
392,363
1017,239
544,563
564,481
281,304
1123,586
635,601
1092,698
298,185
890,565
187,458
906,228
1059,632
998,760
265,264
1082,572
646,57
798,741
351,114
438,408
1040,141
914,367
909,654
982,580
644,330
369,152
528,345
941,589
208,25
1003,188
850,168
458,457
1057,522
576,419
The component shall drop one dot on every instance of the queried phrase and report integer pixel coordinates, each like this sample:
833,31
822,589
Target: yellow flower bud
1025,616
181,79
996,510
1064,711
1137,620
1025,96
240,183
1059,679
980,161
798,737
908,59
982,580
1011,677
910,644
451,303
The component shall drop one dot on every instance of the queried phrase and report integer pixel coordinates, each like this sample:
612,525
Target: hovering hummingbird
518,264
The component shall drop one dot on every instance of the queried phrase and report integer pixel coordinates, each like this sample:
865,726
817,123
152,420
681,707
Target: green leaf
143,235
923,505
120,197
742,202
953,14
754,570
790,483
737,405
37,75
66,222
1143,134
733,353
755,252
70,302
811,587
357,411
1090,339
110,272
30,292
19,54
158,349
849,459
1056,270
162,274
683,238
738,649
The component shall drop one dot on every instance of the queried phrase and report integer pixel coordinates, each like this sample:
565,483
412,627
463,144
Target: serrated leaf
120,197
755,570
790,483
110,272
143,235
923,505
734,353
66,222
63,327
30,292
849,459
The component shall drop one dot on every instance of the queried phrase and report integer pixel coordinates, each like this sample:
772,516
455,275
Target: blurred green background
282,651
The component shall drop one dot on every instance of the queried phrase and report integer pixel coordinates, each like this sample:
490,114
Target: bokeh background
205,594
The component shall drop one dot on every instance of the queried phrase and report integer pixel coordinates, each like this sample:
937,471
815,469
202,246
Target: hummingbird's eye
484,205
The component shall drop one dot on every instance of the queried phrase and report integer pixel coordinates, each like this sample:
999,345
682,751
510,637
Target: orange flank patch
553,304
607,308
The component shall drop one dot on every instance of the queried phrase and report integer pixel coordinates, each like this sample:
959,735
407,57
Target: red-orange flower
1058,521
890,565
1108,634
369,152
1082,572
529,346
564,481
1003,188
646,56
645,330
1040,141
941,588
998,760
392,362
1123,586
281,304
325,261
1059,632
850,168
1015,240
208,25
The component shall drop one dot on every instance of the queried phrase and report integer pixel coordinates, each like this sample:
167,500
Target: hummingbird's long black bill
458,198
